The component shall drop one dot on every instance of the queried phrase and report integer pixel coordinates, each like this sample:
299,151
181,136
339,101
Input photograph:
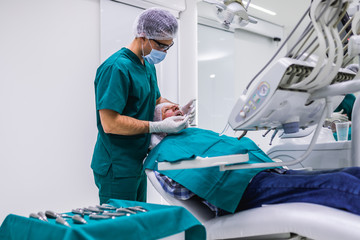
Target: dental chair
294,93
278,221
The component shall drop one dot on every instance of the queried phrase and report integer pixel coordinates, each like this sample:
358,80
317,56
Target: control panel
258,98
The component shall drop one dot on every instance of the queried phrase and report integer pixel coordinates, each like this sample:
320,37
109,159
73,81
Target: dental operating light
231,13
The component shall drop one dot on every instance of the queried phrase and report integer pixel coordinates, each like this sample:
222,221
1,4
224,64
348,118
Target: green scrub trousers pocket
125,188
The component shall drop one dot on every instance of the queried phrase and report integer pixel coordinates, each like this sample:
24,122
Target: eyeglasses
162,46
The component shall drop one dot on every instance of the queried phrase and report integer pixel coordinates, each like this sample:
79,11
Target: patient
237,190
162,111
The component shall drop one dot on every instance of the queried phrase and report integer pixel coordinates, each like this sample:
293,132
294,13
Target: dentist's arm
115,123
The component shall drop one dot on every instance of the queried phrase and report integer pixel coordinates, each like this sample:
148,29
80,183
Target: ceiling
288,12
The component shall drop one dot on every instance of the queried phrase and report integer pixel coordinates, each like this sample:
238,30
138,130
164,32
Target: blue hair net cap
156,23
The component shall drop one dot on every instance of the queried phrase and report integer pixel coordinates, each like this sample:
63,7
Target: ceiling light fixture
260,8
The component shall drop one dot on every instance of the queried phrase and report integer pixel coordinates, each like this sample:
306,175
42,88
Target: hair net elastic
156,23
158,112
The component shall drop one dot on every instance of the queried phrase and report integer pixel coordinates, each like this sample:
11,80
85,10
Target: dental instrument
37,216
62,221
78,219
93,209
43,216
115,214
51,214
105,206
79,211
100,217
125,210
138,208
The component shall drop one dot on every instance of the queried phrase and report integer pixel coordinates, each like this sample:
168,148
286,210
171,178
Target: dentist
126,93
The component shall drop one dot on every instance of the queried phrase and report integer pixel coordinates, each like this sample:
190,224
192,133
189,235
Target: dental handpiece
78,211
51,214
78,219
100,217
115,214
81,212
125,210
54,215
273,136
106,207
138,209
37,216
62,221
264,135
43,216
93,209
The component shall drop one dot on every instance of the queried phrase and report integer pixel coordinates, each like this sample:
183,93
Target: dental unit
291,94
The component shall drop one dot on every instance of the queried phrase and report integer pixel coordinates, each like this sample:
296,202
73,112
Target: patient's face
171,110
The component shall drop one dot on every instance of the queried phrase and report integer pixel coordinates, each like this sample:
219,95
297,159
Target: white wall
112,39
49,56
50,51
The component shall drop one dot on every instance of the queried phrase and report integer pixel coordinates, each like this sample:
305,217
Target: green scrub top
123,84
223,189
347,105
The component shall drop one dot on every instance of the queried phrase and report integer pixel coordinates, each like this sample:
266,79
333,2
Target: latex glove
338,116
169,125
189,110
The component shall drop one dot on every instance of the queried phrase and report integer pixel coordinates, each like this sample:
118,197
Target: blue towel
222,189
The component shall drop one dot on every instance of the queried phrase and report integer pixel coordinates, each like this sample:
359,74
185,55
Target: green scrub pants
125,188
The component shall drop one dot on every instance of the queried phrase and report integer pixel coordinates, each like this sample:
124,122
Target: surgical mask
155,56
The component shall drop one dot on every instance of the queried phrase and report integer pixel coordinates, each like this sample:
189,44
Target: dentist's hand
169,125
189,110
339,116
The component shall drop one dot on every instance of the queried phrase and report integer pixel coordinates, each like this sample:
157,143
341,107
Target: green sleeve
157,91
347,105
112,89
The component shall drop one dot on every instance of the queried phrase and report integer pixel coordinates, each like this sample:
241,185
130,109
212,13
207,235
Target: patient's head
165,110
162,111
